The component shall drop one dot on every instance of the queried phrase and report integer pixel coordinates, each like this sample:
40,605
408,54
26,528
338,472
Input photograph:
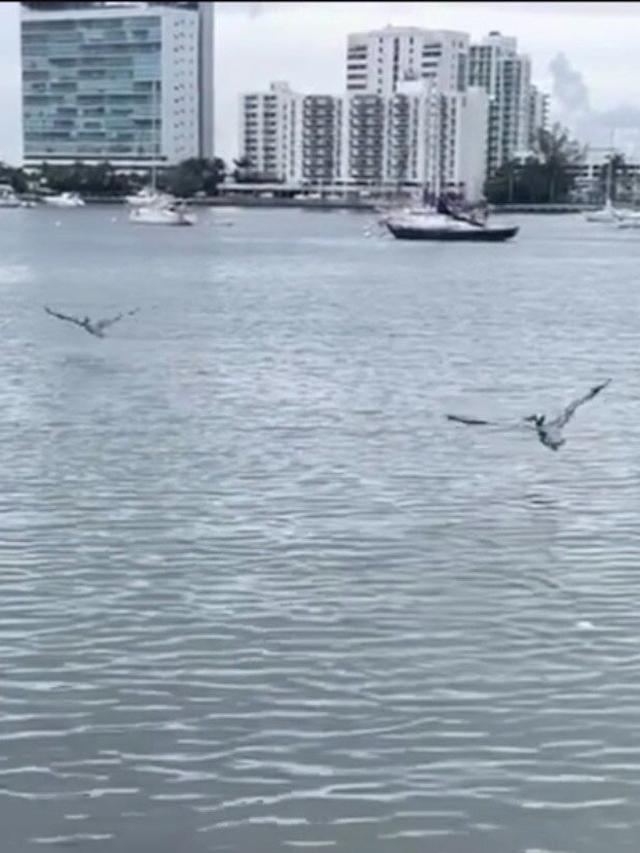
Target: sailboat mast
155,135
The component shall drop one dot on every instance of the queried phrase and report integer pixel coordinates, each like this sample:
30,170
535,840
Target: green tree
246,173
96,179
546,176
195,175
15,177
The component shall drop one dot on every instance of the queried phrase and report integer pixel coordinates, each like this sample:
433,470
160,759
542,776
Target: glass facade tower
117,84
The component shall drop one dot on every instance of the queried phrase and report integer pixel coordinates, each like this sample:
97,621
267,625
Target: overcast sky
304,43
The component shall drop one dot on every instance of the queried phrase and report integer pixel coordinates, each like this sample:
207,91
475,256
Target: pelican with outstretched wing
96,328
549,431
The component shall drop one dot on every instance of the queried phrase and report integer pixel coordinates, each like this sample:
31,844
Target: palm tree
556,152
614,177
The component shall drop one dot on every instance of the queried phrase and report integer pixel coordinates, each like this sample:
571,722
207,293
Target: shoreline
367,206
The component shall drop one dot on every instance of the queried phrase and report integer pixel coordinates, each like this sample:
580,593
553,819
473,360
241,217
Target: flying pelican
549,431
97,328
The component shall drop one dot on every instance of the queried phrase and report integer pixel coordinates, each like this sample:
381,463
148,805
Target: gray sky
304,43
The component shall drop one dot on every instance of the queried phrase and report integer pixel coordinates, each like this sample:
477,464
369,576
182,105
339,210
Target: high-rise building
412,135
364,131
206,83
463,149
538,114
270,138
131,83
320,139
379,60
505,75
416,137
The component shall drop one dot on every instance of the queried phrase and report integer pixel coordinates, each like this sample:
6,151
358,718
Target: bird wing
63,316
461,419
520,425
569,412
100,325
109,321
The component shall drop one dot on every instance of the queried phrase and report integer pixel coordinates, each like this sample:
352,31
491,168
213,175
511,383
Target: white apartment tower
505,75
416,137
363,133
463,147
378,61
412,135
206,49
320,139
270,133
538,114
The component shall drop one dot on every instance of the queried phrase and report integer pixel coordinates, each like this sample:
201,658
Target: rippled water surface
258,595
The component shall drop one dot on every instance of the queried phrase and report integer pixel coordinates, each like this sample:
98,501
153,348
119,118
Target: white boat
608,213
64,200
7,196
148,197
159,214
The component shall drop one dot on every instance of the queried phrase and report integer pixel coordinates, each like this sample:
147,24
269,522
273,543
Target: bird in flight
96,328
549,431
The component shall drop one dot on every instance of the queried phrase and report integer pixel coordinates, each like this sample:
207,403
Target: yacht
163,214
148,197
7,196
444,223
64,200
420,225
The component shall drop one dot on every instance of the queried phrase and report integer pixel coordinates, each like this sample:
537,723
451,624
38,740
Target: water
257,594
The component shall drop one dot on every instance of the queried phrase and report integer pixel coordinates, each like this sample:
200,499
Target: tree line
546,175
549,174
192,176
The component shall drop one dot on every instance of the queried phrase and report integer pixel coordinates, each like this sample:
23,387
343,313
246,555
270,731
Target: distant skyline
304,43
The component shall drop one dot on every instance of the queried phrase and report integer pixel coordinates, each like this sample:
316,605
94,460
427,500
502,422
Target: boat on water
148,197
64,200
8,198
163,214
425,224
608,213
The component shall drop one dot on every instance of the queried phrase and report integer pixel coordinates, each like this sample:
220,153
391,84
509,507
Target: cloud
569,89
619,126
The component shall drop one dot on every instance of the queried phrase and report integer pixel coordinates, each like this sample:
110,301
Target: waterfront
259,595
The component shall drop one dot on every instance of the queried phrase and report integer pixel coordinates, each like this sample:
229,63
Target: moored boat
426,225
8,198
66,199
148,197
168,214
608,213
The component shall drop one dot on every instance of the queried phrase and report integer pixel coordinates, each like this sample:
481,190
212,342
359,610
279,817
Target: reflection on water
257,593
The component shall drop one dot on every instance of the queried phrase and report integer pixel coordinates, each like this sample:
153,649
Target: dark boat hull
477,235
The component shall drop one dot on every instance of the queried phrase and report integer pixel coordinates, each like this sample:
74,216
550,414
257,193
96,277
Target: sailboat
150,207
608,213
